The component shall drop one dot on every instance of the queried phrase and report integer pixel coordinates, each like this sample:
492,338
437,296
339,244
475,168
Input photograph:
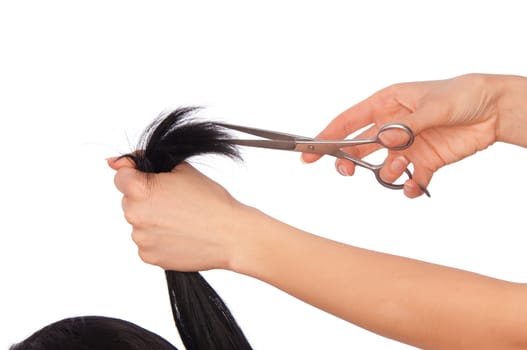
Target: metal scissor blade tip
425,190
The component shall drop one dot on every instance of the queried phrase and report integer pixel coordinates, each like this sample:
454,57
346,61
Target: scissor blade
268,134
270,144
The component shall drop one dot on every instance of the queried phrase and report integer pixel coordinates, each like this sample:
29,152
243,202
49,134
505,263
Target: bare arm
187,222
452,119
512,125
422,304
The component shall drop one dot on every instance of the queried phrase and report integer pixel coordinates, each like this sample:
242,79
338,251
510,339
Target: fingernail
342,170
399,164
410,189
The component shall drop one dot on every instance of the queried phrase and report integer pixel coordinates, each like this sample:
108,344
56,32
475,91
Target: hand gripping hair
202,318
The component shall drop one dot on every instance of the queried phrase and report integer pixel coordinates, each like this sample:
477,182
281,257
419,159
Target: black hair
172,138
203,320
93,333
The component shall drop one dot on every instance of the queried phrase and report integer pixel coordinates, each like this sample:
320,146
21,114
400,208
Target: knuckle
116,178
133,212
130,182
387,175
388,92
144,256
140,238
135,187
132,217
148,257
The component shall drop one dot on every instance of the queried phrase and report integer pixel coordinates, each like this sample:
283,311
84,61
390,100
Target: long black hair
202,318
93,333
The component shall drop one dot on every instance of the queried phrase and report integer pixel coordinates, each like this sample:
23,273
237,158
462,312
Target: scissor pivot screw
311,147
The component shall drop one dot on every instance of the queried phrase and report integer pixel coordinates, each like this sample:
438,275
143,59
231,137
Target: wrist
512,110
259,237
245,233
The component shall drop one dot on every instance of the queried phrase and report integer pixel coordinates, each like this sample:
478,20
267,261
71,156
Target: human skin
453,119
185,221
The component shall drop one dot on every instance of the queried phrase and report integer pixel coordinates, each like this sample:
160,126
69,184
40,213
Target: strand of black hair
203,320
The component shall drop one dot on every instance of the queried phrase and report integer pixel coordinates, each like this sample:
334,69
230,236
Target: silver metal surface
290,142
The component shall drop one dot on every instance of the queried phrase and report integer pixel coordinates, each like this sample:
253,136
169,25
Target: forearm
512,109
426,305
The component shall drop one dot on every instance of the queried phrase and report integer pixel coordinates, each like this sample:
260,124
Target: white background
80,80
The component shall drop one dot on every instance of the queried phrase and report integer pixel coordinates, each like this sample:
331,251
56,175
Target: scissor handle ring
390,185
399,126
375,168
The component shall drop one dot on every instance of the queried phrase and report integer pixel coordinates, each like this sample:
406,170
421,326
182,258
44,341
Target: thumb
426,117
417,122
117,163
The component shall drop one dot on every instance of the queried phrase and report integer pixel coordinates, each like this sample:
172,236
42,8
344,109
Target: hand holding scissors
289,142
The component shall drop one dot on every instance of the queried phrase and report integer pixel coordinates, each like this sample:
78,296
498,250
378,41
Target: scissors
289,142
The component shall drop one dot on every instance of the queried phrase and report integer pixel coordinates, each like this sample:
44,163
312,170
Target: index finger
346,123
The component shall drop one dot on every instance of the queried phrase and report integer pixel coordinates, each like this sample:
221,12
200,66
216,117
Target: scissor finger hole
395,136
399,181
380,156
